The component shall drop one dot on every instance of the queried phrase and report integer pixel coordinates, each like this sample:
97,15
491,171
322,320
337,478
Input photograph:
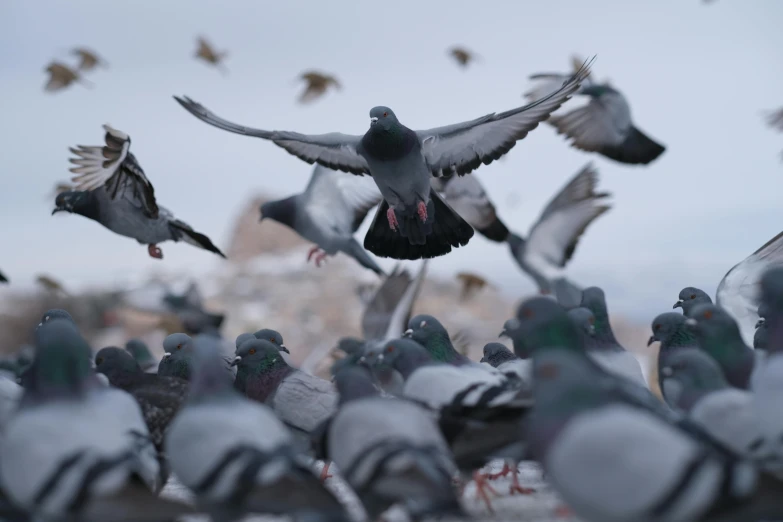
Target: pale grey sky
698,77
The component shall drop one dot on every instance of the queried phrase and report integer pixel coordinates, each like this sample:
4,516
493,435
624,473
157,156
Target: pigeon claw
155,252
325,472
483,489
312,252
320,259
516,487
421,209
392,217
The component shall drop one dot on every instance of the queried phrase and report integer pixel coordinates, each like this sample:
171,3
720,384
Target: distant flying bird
604,125
208,53
61,76
88,59
50,284
471,283
317,84
462,56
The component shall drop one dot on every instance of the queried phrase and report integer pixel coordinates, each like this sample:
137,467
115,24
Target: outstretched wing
463,147
115,168
334,150
469,199
377,314
337,199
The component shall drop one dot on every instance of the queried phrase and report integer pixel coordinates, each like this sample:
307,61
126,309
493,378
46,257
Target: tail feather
637,148
447,230
183,232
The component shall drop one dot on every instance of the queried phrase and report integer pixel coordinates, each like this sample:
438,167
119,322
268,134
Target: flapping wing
377,314
115,168
334,150
463,147
555,236
331,192
468,198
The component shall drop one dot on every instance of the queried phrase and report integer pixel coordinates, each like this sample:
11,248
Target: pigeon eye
385,114
179,346
389,349
527,312
591,320
272,339
252,351
657,327
423,324
693,296
547,371
99,360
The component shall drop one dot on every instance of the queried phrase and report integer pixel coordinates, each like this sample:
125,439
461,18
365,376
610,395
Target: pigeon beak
236,360
591,329
408,332
483,359
691,322
380,358
58,209
678,304
651,340
373,120
284,349
667,371
167,355
363,360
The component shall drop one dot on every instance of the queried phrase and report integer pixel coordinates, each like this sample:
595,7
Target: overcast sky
699,79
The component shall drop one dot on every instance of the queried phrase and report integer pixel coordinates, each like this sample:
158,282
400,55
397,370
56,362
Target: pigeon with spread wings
402,161
604,125
113,190
328,212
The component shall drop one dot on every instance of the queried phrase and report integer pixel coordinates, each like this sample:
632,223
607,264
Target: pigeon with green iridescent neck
76,448
718,334
412,221
671,330
432,335
236,456
139,350
690,297
612,461
267,334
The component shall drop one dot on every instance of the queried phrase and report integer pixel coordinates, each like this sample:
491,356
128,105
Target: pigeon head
282,210
242,338
425,328
176,342
691,297
116,363
56,313
688,375
382,117
763,311
273,337
594,299
139,351
712,323
354,382
209,377
496,354
80,202
260,355
584,319
512,330
350,345
403,355
545,324
666,326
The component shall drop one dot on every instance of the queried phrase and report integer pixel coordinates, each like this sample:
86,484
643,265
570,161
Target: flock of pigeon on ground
405,419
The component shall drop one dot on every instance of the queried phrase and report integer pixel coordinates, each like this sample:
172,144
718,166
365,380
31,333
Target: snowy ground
537,507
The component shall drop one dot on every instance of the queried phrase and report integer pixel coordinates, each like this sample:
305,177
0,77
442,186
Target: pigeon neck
558,334
389,142
730,352
60,375
88,206
681,337
440,348
603,329
124,377
260,381
407,363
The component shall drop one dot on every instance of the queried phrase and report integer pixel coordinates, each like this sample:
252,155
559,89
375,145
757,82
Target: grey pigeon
401,161
113,190
603,346
178,357
390,451
674,334
717,334
432,335
273,336
78,449
236,455
612,461
500,357
690,297
328,213
139,350
603,125
694,383
159,397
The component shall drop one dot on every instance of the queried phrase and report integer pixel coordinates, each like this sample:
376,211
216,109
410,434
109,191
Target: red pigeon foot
312,252
392,217
503,472
517,488
325,472
320,259
483,489
422,210
155,252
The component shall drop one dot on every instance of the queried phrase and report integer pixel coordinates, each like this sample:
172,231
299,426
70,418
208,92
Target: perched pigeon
500,357
317,85
604,125
235,454
141,353
674,335
208,54
114,191
158,396
693,382
61,76
266,334
717,334
737,291
603,346
88,60
76,448
178,358
432,335
328,212
402,161
690,297
3,278
391,451
613,461
462,56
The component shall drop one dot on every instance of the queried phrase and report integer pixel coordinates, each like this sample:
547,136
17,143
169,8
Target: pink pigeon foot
392,217
503,472
422,211
483,489
320,259
312,252
517,488
155,252
325,472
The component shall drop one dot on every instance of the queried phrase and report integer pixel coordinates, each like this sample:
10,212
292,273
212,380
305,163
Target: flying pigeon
208,54
114,191
694,383
88,60
237,456
10,394
717,334
76,449
317,85
603,346
611,460
391,450
690,297
674,335
141,353
604,125
462,56
432,335
50,284
402,162
61,76
328,212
